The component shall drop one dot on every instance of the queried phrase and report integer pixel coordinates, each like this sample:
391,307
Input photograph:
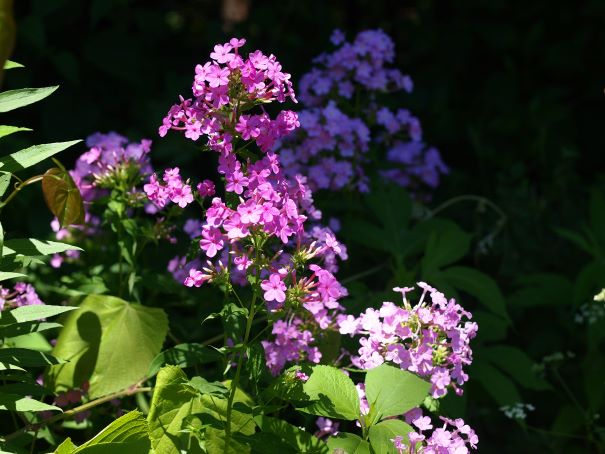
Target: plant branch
74,411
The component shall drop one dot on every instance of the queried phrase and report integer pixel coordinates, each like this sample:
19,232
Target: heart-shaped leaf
63,197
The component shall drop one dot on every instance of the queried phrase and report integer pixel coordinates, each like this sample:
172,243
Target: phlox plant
291,350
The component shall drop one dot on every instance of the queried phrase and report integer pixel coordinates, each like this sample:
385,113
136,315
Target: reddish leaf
63,197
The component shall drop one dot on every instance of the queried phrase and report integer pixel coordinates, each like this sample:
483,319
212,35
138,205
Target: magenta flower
274,288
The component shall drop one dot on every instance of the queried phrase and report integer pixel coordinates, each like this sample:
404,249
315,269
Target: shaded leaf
31,247
184,355
349,443
23,357
16,402
7,130
382,433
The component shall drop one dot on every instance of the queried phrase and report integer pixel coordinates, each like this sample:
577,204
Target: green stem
74,411
18,187
240,359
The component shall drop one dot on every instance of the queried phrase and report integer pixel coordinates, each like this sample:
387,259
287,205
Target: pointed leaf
28,157
31,247
30,313
349,444
13,99
5,181
7,130
15,402
62,197
8,64
184,355
24,357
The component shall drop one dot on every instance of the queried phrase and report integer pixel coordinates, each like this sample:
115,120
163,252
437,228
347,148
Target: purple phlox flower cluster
108,154
343,119
22,294
171,188
225,87
89,228
454,437
327,427
430,339
291,343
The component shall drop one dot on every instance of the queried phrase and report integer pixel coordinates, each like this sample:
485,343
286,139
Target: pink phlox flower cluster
226,86
106,155
291,343
22,294
430,339
454,437
171,188
331,145
323,293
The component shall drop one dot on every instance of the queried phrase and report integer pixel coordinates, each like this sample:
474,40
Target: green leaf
127,434
31,313
445,245
31,247
5,275
5,180
8,130
184,355
109,342
479,285
517,364
391,391
172,401
13,99
349,443
28,157
498,385
23,357
21,329
332,394
24,389
15,402
203,386
382,433
8,64
297,438
62,197
67,447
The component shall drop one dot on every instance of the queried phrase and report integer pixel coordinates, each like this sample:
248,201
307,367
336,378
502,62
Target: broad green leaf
23,357
31,247
478,285
391,391
127,434
108,342
15,402
28,157
240,422
13,99
171,403
31,313
445,245
382,433
9,64
541,289
349,443
62,197
266,443
5,180
184,355
517,364
7,130
331,393
297,438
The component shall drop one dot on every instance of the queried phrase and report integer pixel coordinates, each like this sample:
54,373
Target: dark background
510,92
